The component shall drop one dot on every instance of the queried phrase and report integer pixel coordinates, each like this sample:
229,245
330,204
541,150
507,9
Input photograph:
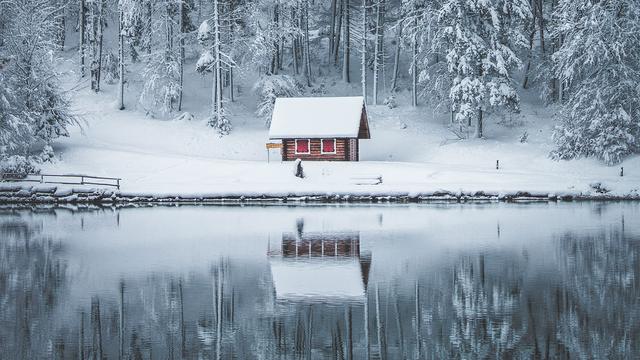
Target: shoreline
52,195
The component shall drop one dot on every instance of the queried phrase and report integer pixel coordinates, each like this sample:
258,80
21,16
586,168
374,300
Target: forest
467,58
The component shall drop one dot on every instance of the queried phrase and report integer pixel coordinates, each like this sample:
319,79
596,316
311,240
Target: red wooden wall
342,151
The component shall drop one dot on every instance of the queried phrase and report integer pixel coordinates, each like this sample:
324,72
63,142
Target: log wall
289,151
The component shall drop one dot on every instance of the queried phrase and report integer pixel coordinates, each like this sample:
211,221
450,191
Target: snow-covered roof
317,279
316,117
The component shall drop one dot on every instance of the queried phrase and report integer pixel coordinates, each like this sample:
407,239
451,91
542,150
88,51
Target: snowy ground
410,148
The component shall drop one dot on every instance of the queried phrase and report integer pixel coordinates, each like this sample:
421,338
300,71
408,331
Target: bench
367,180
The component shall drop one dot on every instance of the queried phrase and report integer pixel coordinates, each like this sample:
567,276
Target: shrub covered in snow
18,164
110,68
391,102
162,88
270,87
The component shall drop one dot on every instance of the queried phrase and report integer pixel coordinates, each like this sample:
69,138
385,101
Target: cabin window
328,146
302,146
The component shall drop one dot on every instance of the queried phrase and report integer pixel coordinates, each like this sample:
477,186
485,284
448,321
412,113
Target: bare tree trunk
541,24
83,24
294,44
332,34
149,26
100,38
479,125
181,56
217,76
336,44
414,67
60,21
346,43
307,58
377,54
120,61
363,52
396,60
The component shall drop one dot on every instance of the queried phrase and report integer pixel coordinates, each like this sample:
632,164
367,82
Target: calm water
350,282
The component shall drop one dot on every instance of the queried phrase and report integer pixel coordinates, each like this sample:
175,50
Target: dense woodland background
467,57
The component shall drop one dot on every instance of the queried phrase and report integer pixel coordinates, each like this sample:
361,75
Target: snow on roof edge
316,117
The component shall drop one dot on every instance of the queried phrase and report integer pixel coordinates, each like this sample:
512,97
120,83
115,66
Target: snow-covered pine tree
599,61
480,39
32,106
162,86
15,130
270,87
213,59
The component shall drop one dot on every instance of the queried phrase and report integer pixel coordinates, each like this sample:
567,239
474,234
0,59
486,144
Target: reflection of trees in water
31,281
493,304
599,307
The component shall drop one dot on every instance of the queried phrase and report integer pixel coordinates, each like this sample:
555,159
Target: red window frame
331,143
298,147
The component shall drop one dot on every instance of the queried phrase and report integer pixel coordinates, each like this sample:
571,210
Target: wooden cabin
320,128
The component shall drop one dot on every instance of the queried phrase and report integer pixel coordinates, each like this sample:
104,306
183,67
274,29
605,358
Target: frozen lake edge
25,194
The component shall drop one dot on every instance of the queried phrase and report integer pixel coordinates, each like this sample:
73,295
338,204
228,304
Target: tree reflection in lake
307,283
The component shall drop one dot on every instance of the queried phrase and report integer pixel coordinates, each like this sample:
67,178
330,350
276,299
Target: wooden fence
62,179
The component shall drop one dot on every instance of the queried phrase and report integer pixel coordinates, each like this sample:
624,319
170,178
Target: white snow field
411,148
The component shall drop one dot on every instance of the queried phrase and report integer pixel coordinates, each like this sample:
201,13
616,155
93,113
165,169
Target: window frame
335,148
295,146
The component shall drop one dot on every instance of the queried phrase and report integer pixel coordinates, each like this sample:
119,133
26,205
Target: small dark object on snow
599,188
621,171
299,170
497,164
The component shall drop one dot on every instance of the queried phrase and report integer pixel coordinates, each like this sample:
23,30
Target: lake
495,280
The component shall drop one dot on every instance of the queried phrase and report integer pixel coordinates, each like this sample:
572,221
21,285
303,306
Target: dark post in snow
621,171
497,164
298,169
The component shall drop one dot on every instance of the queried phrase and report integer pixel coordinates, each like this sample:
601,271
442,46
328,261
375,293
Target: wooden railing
62,179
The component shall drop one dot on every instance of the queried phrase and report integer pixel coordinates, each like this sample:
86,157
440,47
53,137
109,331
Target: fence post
81,180
621,171
41,179
118,183
497,164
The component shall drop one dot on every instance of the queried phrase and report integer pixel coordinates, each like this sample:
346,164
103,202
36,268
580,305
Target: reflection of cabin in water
320,267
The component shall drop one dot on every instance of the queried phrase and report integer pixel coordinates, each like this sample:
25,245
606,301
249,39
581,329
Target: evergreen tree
480,39
32,106
161,92
213,59
599,61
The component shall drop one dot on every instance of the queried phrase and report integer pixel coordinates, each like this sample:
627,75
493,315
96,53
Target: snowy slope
411,148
